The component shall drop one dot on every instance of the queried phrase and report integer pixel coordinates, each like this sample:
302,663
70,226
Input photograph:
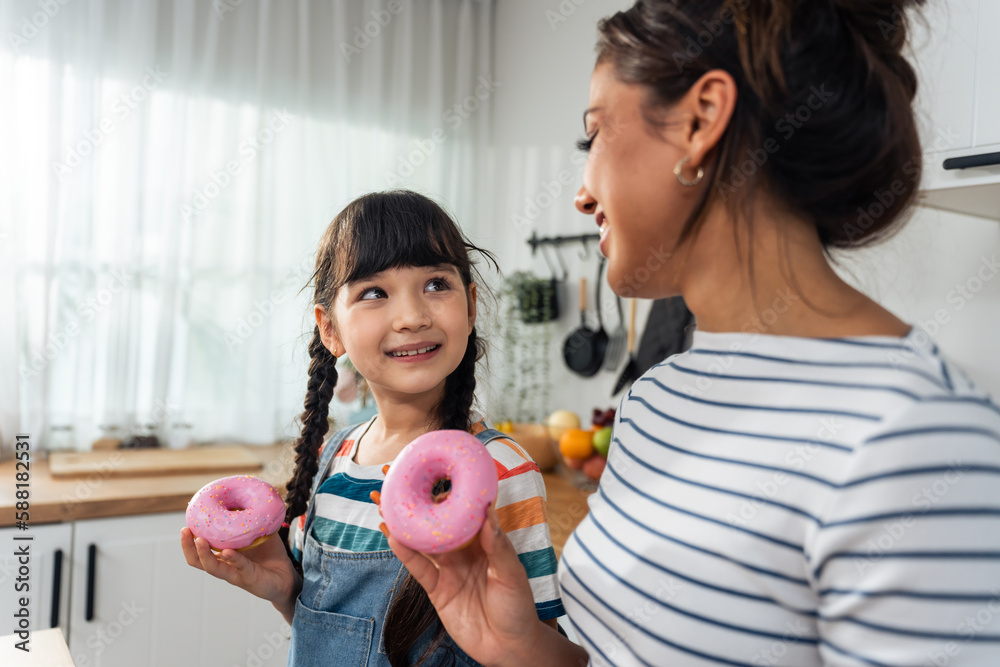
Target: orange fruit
576,443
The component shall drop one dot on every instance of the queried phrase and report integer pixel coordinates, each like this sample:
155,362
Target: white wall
544,58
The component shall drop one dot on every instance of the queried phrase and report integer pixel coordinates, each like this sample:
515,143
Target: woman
811,483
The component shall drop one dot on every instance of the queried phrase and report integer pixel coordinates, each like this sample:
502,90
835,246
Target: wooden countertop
100,495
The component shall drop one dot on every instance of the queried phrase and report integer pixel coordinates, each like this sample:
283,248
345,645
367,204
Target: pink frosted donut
235,512
411,512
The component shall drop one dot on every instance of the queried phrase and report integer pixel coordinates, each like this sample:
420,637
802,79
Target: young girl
394,291
812,483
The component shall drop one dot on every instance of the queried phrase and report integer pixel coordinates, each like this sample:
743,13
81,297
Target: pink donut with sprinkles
237,512
420,509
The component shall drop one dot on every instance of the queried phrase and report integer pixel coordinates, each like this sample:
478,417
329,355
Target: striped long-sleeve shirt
347,519
787,501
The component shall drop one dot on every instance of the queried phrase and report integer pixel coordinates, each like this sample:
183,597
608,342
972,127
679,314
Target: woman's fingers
419,565
498,549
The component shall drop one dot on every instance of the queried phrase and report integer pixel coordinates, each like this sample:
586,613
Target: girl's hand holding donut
265,571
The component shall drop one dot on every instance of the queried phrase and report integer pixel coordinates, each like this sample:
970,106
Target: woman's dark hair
823,116
375,232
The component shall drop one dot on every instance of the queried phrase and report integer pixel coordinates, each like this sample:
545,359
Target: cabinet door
149,607
945,60
988,76
49,552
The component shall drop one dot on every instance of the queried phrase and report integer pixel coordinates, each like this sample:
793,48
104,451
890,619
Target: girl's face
629,186
405,329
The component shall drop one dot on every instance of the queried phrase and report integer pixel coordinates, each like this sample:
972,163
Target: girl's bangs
399,234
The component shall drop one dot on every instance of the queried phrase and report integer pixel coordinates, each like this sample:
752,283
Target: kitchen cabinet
47,591
137,601
127,597
958,104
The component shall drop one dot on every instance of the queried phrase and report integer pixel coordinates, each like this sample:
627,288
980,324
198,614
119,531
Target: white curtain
167,170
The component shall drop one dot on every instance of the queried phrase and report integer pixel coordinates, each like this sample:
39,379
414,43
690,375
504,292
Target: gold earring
680,177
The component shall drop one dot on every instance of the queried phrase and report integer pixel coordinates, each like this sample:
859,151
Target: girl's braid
322,379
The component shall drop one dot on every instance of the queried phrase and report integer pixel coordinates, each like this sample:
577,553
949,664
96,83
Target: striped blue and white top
772,500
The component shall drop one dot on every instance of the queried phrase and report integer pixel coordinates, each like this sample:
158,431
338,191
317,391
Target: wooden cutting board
231,460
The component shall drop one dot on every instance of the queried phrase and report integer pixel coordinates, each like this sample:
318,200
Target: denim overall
339,614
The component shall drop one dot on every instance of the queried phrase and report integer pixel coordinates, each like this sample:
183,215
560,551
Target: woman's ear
328,332
472,306
711,101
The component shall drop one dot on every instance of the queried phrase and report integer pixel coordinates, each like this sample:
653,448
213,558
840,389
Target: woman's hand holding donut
484,600
265,571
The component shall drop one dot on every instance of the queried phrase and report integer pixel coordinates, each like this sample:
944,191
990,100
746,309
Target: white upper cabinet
957,56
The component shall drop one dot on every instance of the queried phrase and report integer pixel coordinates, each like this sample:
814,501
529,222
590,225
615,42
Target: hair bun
883,23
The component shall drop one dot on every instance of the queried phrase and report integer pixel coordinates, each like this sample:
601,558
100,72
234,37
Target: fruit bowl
534,439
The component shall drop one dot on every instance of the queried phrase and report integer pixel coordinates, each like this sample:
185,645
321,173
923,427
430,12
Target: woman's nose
584,202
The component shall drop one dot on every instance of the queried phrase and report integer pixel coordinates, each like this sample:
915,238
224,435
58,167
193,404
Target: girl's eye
438,284
587,143
371,293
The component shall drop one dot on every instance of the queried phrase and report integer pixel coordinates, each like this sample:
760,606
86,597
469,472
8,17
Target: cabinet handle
56,588
983,160
91,576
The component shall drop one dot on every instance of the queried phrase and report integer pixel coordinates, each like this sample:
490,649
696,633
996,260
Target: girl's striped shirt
774,500
347,519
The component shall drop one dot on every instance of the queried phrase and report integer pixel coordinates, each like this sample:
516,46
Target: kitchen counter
101,494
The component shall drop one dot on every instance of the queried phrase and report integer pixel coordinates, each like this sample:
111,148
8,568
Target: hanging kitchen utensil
630,374
616,342
584,349
601,333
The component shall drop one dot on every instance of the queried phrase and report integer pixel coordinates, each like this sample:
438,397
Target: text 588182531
22,546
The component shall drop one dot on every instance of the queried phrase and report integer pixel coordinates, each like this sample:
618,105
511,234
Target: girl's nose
584,202
411,314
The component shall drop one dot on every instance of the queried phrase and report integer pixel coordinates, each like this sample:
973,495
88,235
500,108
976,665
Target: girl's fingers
376,498
189,549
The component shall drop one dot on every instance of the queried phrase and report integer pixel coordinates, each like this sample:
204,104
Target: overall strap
489,435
